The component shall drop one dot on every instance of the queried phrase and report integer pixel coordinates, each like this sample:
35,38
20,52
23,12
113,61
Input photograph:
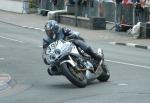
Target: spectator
147,7
107,6
139,10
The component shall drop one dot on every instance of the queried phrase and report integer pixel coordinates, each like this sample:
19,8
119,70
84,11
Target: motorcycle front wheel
105,74
75,77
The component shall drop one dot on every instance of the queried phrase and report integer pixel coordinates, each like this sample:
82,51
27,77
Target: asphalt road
20,56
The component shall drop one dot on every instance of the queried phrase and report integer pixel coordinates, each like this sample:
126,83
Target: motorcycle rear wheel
76,78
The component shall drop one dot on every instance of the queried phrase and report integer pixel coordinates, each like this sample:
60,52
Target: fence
29,6
129,14
114,13
49,5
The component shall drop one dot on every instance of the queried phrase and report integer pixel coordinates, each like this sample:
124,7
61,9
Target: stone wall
90,23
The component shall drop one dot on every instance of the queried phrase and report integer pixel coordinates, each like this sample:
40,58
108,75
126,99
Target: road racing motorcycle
79,68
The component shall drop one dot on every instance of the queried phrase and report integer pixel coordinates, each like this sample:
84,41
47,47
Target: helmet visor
50,33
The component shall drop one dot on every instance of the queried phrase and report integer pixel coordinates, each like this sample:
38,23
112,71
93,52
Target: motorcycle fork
99,69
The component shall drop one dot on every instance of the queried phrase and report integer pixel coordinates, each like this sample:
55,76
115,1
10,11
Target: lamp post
133,13
76,12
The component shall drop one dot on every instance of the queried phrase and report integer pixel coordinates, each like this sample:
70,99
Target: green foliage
32,3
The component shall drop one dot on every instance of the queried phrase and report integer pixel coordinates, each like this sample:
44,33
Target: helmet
51,28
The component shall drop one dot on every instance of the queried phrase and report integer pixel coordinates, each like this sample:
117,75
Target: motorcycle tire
105,74
68,72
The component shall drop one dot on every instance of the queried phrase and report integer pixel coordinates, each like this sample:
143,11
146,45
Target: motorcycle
66,59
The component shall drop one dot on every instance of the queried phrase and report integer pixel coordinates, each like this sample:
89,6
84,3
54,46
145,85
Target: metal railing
113,13
28,5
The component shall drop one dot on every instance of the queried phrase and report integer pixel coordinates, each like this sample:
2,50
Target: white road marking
1,58
122,84
131,44
142,66
11,39
112,43
33,28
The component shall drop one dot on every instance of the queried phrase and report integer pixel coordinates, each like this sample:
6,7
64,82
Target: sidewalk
36,21
12,5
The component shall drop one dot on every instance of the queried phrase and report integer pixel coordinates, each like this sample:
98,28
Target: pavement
12,5
37,22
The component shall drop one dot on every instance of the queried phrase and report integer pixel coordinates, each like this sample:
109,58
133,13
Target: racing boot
95,56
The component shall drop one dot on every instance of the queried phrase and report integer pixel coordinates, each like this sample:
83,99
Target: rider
55,32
